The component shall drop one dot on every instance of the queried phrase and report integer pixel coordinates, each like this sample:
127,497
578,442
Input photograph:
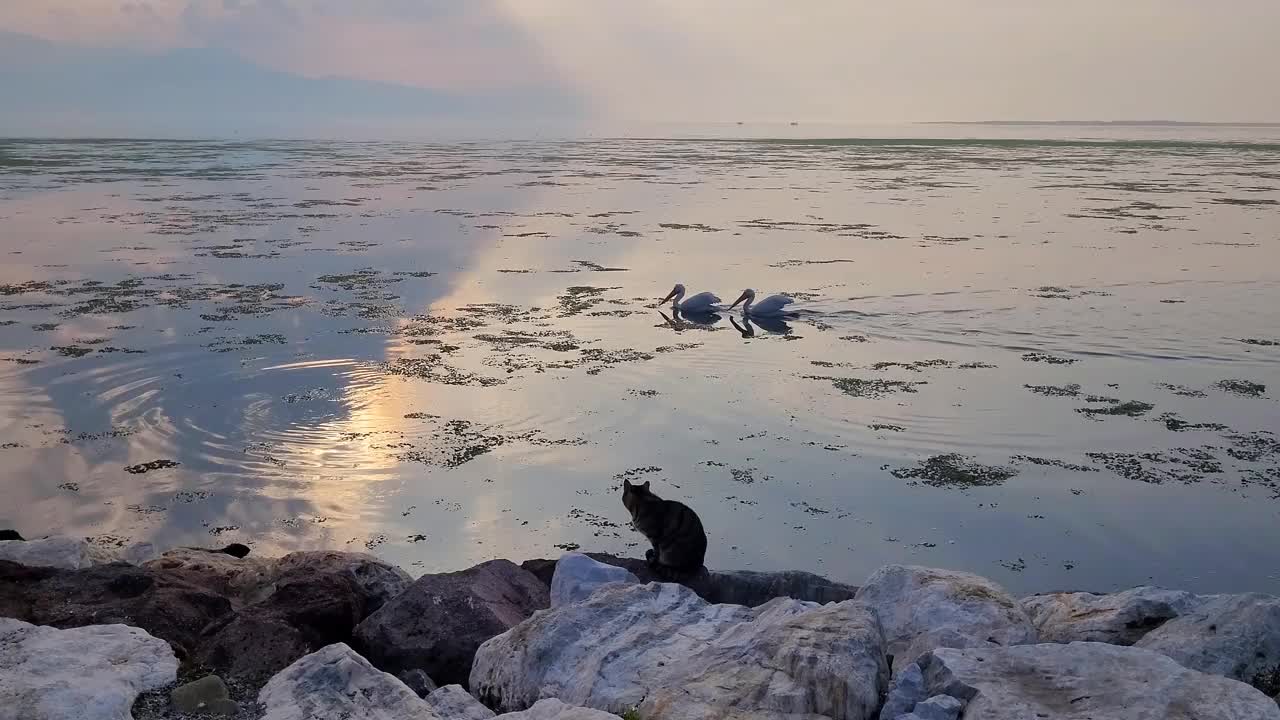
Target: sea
1049,355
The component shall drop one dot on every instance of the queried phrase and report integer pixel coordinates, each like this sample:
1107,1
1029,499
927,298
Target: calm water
1052,363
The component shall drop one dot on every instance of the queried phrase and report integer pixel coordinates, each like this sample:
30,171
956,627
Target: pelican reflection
775,325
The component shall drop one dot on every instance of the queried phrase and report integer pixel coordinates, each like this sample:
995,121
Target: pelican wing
701,301
771,305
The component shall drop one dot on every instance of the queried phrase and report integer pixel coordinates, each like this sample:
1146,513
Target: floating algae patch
1051,462
1182,391
886,426
1071,390
953,470
1260,342
1254,446
915,366
1181,465
1175,423
1046,358
147,467
1129,408
1246,388
231,344
690,226
580,298
44,327
797,263
863,388
747,476
433,369
71,351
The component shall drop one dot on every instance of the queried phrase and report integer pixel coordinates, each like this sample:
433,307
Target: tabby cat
679,542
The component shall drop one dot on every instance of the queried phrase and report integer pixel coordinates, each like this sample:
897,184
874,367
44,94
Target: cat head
634,495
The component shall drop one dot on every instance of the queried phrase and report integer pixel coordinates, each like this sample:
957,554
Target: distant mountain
200,90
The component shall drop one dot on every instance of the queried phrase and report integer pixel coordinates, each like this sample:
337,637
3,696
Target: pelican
703,302
772,306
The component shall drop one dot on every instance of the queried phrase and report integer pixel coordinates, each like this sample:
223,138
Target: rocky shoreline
320,634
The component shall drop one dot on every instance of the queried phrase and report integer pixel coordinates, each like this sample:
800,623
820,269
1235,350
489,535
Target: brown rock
163,604
437,624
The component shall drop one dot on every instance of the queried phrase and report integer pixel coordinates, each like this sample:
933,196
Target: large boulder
288,607
166,606
924,608
740,587
662,648
245,579
67,553
335,682
1118,618
453,702
553,709
577,576
88,673
1076,681
439,621
1237,636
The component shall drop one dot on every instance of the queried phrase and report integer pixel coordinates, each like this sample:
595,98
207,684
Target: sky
820,61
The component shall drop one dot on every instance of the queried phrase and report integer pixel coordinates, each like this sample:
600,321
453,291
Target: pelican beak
741,297
669,296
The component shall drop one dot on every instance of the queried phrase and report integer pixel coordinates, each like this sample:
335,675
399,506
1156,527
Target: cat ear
645,486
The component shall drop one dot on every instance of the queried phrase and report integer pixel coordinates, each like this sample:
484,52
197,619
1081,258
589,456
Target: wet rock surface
924,608
335,682
208,695
1077,681
437,624
87,673
665,651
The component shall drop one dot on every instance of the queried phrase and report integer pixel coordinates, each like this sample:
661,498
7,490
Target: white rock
1081,681
1237,636
552,709
335,682
662,648
577,576
452,702
924,608
908,687
58,551
1118,618
87,673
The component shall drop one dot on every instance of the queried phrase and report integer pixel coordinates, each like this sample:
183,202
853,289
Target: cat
679,542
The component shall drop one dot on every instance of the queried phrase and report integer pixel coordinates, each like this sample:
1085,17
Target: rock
577,576
165,605
207,695
1118,618
10,535
439,621
455,703
90,673
746,587
1237,636
938,707
908,689
553,709
251,646
335,682
247,579
925,608
1079,681
376,580
289,607
662,648
418,681
738,588
58,552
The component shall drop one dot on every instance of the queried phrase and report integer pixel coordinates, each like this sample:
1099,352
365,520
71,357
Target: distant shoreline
1104,123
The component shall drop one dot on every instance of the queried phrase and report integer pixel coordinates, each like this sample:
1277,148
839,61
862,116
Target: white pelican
772,306
703,302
